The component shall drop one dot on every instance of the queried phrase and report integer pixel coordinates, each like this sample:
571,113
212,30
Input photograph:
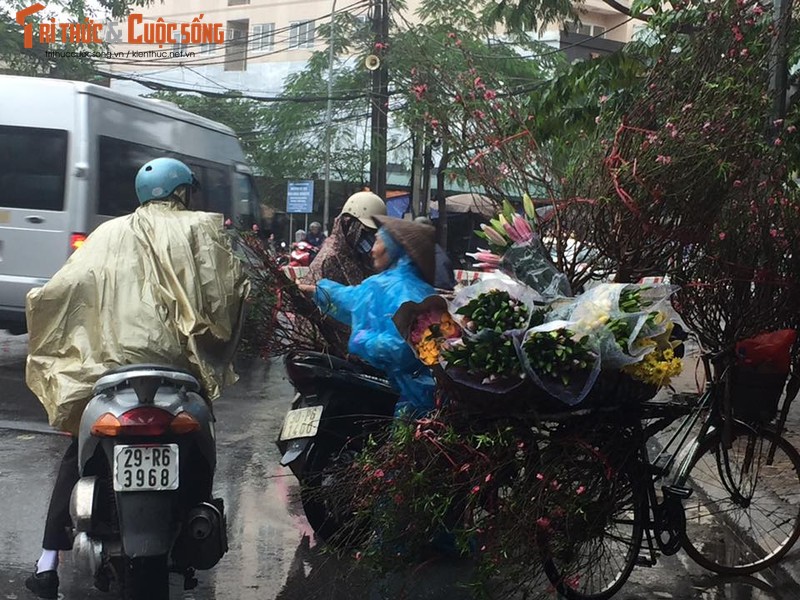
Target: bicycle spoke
738,492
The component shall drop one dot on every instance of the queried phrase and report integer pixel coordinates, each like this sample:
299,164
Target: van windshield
33,163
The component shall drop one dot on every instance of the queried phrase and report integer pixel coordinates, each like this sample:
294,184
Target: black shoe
44,584
101,581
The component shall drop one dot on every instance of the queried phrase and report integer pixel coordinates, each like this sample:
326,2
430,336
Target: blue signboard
300,196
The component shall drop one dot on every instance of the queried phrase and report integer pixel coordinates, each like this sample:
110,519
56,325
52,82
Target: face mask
365,242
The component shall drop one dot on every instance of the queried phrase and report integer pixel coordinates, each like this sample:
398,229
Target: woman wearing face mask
403,256
344,256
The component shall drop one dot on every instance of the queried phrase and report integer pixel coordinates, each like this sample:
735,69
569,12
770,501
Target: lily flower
485,257
498,227
527,204
493,236
523,228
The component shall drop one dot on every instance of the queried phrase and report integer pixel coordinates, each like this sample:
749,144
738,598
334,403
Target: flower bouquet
427,326
563,363
482,365
516,249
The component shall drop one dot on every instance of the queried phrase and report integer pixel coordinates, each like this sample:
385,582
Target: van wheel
17,328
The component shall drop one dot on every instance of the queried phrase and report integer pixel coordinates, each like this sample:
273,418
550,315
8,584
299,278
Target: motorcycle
282,256
337,406
302,254
143,507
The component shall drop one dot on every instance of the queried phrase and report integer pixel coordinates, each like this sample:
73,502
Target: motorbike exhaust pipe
204,540
202,522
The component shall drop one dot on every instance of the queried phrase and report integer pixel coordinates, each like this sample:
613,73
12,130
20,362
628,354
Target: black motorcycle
338,405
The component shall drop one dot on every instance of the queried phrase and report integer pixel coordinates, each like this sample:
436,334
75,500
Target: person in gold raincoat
161,285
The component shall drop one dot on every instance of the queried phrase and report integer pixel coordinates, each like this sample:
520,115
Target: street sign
300,196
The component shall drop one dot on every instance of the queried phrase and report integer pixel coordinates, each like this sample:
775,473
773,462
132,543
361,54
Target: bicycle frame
667,516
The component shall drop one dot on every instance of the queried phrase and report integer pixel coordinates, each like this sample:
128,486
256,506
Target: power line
163,86
155,85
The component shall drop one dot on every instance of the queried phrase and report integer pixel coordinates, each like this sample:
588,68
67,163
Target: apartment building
267,40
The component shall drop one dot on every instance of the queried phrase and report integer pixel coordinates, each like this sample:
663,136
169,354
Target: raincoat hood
158,286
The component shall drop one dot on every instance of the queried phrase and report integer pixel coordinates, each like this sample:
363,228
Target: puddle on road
741,588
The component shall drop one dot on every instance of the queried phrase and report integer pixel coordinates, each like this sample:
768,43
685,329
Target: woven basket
755,395
508,396
501,397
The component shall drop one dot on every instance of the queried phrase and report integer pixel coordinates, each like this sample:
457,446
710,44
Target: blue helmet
159,178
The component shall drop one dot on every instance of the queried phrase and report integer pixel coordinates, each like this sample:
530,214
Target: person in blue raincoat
404,256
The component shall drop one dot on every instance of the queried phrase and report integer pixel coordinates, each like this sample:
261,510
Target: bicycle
719,486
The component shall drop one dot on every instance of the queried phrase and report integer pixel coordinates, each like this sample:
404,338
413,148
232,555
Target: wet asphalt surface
273,553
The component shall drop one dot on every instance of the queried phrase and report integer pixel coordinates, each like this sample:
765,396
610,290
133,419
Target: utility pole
417,207
379,100
779,62
427,163
326,207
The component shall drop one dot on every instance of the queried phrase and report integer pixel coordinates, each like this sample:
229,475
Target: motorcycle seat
332,366
167,374
320,359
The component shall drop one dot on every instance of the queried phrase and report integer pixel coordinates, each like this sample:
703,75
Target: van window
119,161
33,164
214,194
248,206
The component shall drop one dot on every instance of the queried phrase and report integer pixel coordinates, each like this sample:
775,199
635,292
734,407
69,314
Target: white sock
48,561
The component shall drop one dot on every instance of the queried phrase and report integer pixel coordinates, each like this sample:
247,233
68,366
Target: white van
69,154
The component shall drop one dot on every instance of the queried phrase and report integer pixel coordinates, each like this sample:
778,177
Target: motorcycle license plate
301,423
146,468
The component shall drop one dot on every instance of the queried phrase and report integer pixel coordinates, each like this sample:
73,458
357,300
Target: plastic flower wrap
560,361
622,319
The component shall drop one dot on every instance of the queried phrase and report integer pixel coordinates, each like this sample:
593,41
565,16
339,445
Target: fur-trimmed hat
418,240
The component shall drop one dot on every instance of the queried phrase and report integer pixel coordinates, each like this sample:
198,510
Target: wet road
272,550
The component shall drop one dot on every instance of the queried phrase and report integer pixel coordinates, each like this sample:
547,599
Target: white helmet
363,206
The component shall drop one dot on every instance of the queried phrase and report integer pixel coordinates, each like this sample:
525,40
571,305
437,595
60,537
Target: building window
586,29
177,46
208,48
238,2
263,37
236,45
301,34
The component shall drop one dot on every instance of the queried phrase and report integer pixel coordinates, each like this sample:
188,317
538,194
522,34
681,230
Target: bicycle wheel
593,559
744,514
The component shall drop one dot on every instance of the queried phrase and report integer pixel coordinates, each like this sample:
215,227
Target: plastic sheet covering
578,389
529,297
531,264
368,308
591,311
158,286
